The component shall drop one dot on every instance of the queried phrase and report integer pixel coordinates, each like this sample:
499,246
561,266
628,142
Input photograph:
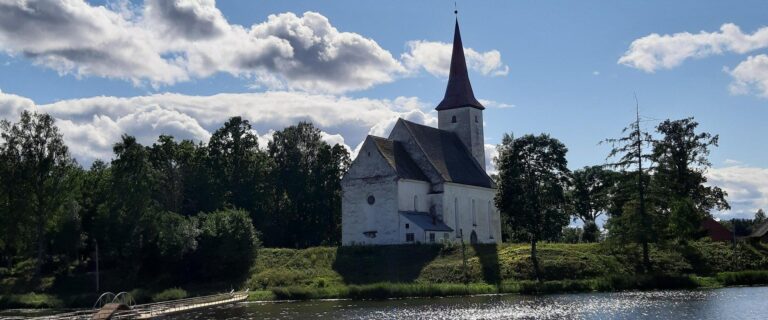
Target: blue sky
559,70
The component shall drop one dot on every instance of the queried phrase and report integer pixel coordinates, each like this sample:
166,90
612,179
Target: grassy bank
423,271
426,271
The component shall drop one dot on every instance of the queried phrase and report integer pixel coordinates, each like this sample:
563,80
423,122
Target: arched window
490,225
415,203
453,119
475,119
456,216
474,214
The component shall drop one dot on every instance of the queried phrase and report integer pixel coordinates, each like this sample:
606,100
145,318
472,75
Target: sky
567,68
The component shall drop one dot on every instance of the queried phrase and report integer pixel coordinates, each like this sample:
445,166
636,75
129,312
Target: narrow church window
453,119
456,216
409,237
369,153
416,203
407,225
475,119
371,199
490,225
474,214
431,237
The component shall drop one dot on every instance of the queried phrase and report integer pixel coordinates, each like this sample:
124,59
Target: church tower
460,112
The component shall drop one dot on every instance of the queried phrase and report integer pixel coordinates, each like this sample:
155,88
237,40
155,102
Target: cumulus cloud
171,41
71,36
751,76
490,154
435,58
165,42
92,125
747,189
656,51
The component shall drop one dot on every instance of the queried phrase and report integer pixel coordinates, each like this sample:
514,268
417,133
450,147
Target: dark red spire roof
459,91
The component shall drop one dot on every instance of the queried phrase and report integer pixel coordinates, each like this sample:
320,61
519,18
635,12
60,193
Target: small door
473,237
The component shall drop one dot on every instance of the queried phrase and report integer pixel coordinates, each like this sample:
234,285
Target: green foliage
307,190
591,196
747,277
169,294
227,244
37,188
533,176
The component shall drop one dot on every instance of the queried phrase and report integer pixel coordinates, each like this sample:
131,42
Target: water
727,303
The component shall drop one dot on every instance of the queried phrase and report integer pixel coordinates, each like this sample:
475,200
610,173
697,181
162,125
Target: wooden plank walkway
152,310
149,313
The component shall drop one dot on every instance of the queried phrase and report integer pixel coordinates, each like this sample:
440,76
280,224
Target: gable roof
448,155
459,92
397,158
425,221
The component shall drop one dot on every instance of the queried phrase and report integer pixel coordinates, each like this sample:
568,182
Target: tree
592,188
125,220
533,176
307,194
681,158
38,185
237,168
631,156
759,217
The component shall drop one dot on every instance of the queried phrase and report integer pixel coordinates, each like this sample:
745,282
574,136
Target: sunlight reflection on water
729,303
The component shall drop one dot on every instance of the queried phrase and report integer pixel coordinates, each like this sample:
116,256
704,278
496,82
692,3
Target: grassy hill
433,270
422,270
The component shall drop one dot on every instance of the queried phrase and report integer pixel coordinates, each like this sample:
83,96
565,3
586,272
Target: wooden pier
117,310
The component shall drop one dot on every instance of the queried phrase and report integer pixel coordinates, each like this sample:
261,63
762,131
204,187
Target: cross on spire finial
455,9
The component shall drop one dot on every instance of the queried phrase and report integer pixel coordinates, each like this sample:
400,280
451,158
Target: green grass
169,294
744,278
370,272
30,300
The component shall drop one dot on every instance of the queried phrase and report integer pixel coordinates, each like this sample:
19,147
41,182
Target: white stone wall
369,175
487,224
407,190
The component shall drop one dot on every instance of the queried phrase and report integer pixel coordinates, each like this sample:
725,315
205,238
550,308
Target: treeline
653,189
184,207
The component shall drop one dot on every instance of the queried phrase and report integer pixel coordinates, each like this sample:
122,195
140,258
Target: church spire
459,91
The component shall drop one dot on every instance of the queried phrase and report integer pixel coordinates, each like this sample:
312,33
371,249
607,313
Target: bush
169,294
227,245
749,277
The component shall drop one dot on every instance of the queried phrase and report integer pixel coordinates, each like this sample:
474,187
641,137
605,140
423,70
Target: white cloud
747,189
496,104
751,76
655,51
92,125
166,42
435,58
490,154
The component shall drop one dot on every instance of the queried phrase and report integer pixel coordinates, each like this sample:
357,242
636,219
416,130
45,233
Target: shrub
749,277
227,244
169,294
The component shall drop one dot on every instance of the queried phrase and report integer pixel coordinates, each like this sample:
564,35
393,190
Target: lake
726,303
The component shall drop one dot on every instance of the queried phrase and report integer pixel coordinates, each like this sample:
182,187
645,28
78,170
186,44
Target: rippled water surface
728,303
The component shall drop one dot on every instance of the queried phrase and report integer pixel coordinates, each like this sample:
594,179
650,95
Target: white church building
423,184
